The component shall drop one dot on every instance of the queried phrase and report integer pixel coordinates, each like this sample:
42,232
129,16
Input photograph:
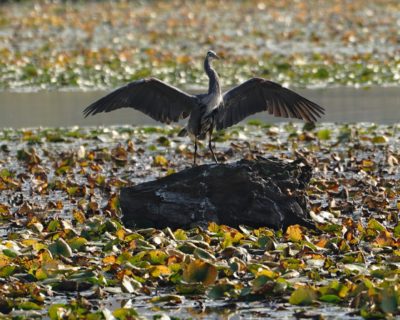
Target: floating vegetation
64,251
100,44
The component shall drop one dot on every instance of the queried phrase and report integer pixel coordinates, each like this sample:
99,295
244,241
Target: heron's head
212,55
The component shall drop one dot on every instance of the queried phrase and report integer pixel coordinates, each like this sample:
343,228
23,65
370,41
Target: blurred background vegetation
98,44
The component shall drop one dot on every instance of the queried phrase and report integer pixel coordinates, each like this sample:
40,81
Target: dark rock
257,193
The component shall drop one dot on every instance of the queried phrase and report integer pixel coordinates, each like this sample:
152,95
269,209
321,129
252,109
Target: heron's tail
183,132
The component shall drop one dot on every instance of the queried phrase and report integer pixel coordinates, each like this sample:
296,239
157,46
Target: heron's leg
210,146
195,150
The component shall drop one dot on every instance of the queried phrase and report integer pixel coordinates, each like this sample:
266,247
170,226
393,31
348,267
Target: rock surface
257,193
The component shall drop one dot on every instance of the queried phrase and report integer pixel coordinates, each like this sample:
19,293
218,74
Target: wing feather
256,95
283,109
307,111
277,108
303,106
152,96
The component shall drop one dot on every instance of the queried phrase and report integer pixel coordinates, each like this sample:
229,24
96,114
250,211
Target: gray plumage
211,110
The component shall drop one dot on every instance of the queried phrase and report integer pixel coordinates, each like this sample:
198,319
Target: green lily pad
60,247
303,296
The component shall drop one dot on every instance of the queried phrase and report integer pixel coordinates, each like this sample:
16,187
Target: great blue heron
207,111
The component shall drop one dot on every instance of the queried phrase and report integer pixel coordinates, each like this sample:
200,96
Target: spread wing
152,96
256,95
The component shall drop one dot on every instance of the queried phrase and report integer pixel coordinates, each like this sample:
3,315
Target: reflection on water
64,108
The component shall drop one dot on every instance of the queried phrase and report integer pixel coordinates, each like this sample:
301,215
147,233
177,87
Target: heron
211,110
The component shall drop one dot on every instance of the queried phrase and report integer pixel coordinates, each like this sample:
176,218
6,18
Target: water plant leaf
200,271
57,311
331,298
324,134
303,296
203,254
125,313
160,161
28,305
294,233
157,271
168,298
7,270
60,247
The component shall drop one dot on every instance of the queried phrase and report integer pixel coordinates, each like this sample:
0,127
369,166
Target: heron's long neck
213,84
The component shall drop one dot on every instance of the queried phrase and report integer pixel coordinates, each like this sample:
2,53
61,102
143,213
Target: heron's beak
216,57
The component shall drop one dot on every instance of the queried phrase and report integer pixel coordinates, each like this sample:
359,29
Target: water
64,108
